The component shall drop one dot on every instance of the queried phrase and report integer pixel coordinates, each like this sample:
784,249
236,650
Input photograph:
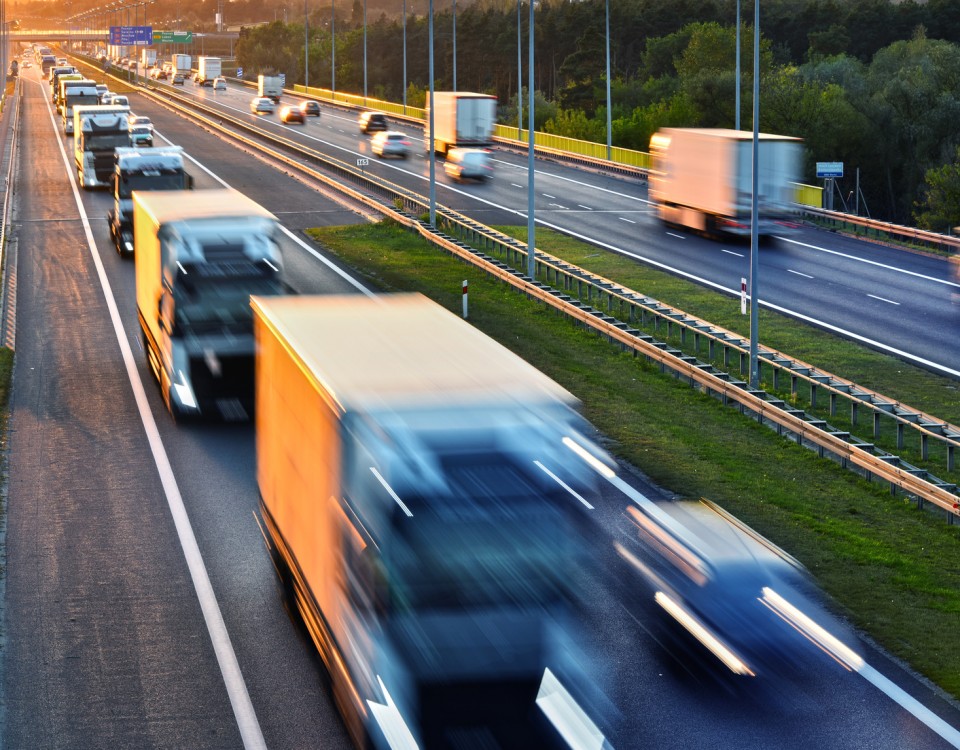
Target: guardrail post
711,349
876,424
813,396
899,435
683,335
793,384
949,458
854,412
726,357
776,378
743,362
924,447
833,404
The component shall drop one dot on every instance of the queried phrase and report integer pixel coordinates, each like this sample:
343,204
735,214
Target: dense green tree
939,206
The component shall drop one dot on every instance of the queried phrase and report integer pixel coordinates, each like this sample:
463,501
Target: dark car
371,121
291,114
310,107
178,79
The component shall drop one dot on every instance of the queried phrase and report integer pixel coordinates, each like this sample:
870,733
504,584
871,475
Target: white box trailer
419,486
461,119
701,178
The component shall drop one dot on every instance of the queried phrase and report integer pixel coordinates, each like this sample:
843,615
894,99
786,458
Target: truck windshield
77,100
105,141
215,297
497,540
155,181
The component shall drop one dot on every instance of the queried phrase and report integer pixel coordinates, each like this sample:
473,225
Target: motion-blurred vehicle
310,107
261,105
292,114
437,575
724,597
178,79
219,83
370,121
461,120
101,90
119,100
199,256
28,64
98,131
390,143
271,86
141,130
468,164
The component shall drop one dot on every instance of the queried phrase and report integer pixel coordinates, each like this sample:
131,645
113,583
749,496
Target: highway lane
214,471
895,300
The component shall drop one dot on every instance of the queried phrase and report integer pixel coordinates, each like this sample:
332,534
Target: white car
219,83
468,163
262,104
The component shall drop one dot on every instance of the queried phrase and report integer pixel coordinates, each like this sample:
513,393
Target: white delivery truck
701,178
181,64
148,58
199,255
98,132
419,486
461,119
270,86
76,93
208,68
142,169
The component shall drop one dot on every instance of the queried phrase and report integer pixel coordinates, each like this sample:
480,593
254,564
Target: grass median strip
895,570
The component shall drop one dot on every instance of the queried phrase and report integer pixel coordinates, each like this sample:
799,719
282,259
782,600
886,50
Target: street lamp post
306,47
609,120
754,244
364,51
454,45
531,223
404,56
519,75
333,47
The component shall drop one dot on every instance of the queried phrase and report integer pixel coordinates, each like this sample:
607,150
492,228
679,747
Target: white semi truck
701,179
461,120
208,68
199,255
270,86
98,131
425,496
142,169
181,64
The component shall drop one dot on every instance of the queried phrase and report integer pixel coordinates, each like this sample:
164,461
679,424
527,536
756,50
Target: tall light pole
737,118
531,225
431,117
364,51
609,120
333,47
306,48
519,75
404,56
454,45
754,239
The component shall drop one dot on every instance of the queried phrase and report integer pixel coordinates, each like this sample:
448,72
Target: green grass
892,569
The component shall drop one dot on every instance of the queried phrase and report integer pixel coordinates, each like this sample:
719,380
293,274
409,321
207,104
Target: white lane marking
564,208
563,484
885,266
243,710
805,275
883,299
547,195
516,185
299,240
586,207
678,236
911,704
629,221
871,675
390,492
731,252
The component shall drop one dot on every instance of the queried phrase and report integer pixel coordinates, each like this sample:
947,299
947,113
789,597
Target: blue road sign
829,169
239,72
126,35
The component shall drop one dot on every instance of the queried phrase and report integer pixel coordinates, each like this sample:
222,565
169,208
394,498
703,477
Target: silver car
262,104
390,143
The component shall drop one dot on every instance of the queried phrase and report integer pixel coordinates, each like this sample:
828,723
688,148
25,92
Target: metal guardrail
881,229
403,205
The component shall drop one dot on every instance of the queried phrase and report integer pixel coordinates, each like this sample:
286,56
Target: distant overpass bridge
92,35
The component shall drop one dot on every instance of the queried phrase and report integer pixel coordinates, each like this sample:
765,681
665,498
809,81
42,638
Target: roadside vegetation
892,569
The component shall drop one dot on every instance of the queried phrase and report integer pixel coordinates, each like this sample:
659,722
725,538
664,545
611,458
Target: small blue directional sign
239,72
829,169
131,35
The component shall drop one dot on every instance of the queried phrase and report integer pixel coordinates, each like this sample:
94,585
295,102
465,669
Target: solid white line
911,704
870,262
883,299
629,221
678,236
563,484
730,252
240,701
805,275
